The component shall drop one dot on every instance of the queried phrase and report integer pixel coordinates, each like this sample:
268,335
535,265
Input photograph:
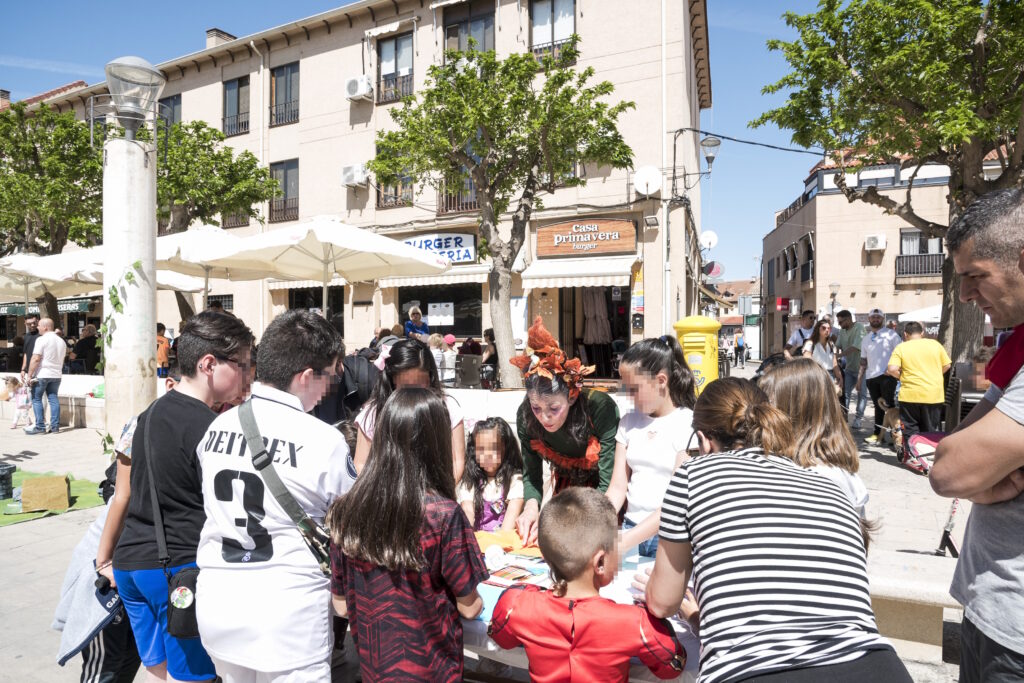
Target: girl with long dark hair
409,363
822,350
491,490
405,563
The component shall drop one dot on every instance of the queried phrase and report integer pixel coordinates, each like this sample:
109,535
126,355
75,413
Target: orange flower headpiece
546,359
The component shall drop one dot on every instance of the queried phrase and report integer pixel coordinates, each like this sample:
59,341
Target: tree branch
870,195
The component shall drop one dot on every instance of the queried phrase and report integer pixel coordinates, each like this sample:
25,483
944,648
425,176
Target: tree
513,134
914,82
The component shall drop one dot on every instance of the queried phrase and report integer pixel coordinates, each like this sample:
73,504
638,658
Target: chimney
5,99
215,37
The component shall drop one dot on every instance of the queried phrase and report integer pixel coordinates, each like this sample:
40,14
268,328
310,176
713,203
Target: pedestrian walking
44,374
875,351
740,345
851,334
982,460
919,365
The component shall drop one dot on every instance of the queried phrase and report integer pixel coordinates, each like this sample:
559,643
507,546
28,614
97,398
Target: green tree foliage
515,129
911,82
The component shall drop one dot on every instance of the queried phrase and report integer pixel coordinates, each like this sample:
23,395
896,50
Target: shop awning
302,284
385,29
458,275
63,306
605,271
714,296
444,3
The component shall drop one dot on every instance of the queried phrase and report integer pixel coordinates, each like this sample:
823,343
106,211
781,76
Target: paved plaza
34,555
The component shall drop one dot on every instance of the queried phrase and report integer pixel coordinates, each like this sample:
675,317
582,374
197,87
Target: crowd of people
746,496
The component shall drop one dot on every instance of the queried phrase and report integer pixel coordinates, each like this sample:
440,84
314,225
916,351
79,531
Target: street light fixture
833,289
709,145
134,86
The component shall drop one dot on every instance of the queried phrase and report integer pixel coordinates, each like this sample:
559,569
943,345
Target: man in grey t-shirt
982,459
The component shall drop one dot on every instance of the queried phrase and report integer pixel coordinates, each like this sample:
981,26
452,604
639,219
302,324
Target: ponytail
664,354
736,413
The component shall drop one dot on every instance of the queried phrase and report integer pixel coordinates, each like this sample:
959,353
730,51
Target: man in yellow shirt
919,365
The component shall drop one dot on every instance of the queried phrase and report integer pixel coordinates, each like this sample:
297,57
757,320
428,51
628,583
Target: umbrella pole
324,302
206,285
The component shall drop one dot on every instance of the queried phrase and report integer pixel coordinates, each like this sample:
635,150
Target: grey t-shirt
989,577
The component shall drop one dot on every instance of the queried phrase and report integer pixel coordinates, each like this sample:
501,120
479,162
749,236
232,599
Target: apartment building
822,242
308,98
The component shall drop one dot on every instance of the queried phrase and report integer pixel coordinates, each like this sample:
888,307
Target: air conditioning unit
359,88
354,176
874,243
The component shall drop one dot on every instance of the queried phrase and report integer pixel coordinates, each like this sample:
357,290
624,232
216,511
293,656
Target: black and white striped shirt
779,565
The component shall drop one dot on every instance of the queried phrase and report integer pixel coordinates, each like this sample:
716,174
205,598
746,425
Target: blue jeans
646,548
850,380
48,387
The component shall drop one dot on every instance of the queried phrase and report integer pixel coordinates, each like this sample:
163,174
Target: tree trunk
185,308
499,280
963,324
48,308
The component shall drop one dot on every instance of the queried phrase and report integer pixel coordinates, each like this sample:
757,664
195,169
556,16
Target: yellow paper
508,541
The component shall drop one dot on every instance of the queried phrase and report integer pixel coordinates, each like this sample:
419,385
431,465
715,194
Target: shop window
469,20
394,59
227,301
552,23
170,109
284,94
468,307
311,299
236,106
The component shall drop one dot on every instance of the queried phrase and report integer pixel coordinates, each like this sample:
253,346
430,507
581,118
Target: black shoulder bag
316,538
181,587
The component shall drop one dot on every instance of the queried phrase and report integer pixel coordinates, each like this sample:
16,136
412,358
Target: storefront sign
595,236
636,303
456,246
65,306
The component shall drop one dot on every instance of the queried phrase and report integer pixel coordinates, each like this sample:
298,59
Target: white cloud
51,66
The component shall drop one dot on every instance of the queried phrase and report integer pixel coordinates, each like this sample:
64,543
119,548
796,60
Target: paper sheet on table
508,541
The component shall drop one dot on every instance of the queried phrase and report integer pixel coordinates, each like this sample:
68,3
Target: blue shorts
144,595
646,548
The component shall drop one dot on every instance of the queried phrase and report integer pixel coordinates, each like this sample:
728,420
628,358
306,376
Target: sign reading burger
586,237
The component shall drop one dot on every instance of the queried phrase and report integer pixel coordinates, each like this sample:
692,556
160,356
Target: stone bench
909,593
77,409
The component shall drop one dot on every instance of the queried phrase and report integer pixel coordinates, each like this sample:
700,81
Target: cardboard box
45,493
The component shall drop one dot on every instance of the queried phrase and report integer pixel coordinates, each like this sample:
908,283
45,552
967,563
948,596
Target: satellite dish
708,239
647,180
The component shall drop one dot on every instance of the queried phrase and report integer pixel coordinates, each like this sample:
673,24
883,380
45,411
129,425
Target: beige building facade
308,99
822,242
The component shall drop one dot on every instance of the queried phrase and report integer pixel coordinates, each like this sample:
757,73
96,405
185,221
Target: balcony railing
458,202
807,271
554,49
285,112
237,124
284,210
393,88
234,220
391,197
788,212
915,265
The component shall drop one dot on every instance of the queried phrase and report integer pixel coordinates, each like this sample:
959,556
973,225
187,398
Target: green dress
604,423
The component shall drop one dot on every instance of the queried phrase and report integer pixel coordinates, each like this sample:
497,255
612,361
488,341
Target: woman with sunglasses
775,551
822,350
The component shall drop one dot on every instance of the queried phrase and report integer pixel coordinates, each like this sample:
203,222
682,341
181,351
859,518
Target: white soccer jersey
263,602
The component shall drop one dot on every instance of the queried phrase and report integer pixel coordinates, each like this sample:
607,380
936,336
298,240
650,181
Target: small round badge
182,597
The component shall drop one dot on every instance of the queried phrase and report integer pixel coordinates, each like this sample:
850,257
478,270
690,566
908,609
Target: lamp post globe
709,146
833,289
134,86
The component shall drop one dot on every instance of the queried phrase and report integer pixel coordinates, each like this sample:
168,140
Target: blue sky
48,44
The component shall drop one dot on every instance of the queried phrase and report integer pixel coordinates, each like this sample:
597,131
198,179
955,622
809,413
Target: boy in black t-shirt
214,352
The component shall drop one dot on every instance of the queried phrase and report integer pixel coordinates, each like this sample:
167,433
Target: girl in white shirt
652,438
822,351
823,440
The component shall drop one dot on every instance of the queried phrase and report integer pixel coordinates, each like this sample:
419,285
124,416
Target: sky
48,44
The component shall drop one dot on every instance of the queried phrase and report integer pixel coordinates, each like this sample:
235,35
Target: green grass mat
83,495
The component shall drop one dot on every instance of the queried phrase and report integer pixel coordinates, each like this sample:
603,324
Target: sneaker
33,430
856,423
873,439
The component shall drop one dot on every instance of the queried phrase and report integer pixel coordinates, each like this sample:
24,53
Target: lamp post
833,290
129,242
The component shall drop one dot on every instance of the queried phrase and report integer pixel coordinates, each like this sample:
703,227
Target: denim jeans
48,387
850,380
646,548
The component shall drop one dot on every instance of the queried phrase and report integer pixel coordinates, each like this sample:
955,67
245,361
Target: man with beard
875,350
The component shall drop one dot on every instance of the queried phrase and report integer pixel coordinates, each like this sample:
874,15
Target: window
469,20
394,58
468,300
170,109
913,242
311,299
236,106
234,220
552,23
227,301
396,194
284,94
286,206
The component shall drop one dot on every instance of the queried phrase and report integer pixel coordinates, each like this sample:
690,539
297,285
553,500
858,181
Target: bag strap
158,519
264,465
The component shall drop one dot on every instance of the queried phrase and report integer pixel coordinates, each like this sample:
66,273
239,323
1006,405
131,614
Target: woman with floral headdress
573,430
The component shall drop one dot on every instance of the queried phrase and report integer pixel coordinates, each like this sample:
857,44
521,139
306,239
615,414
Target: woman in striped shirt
776,554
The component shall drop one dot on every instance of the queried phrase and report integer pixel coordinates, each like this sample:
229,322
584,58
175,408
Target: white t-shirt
825,356
652,444
851,485
263,602
876,348
448,366
491,490
52,350
799,336
367,417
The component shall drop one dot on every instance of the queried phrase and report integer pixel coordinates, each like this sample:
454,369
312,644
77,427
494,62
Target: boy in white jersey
262,600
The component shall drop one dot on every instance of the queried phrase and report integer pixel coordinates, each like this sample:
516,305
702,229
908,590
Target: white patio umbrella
929,315
320,248
22,278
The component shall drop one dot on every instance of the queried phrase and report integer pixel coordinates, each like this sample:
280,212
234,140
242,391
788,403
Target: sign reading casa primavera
586,237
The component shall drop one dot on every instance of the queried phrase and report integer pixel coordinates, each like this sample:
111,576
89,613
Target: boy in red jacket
570,632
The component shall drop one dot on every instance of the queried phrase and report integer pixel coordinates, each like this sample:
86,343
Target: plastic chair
467,371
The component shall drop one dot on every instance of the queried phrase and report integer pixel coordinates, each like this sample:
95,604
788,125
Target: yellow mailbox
698,335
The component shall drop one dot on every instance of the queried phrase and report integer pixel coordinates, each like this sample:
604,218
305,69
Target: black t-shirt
30,345
179,424
86,350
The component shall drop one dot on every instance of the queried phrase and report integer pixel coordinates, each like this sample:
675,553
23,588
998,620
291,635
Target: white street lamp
709,145
129,240
833,290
